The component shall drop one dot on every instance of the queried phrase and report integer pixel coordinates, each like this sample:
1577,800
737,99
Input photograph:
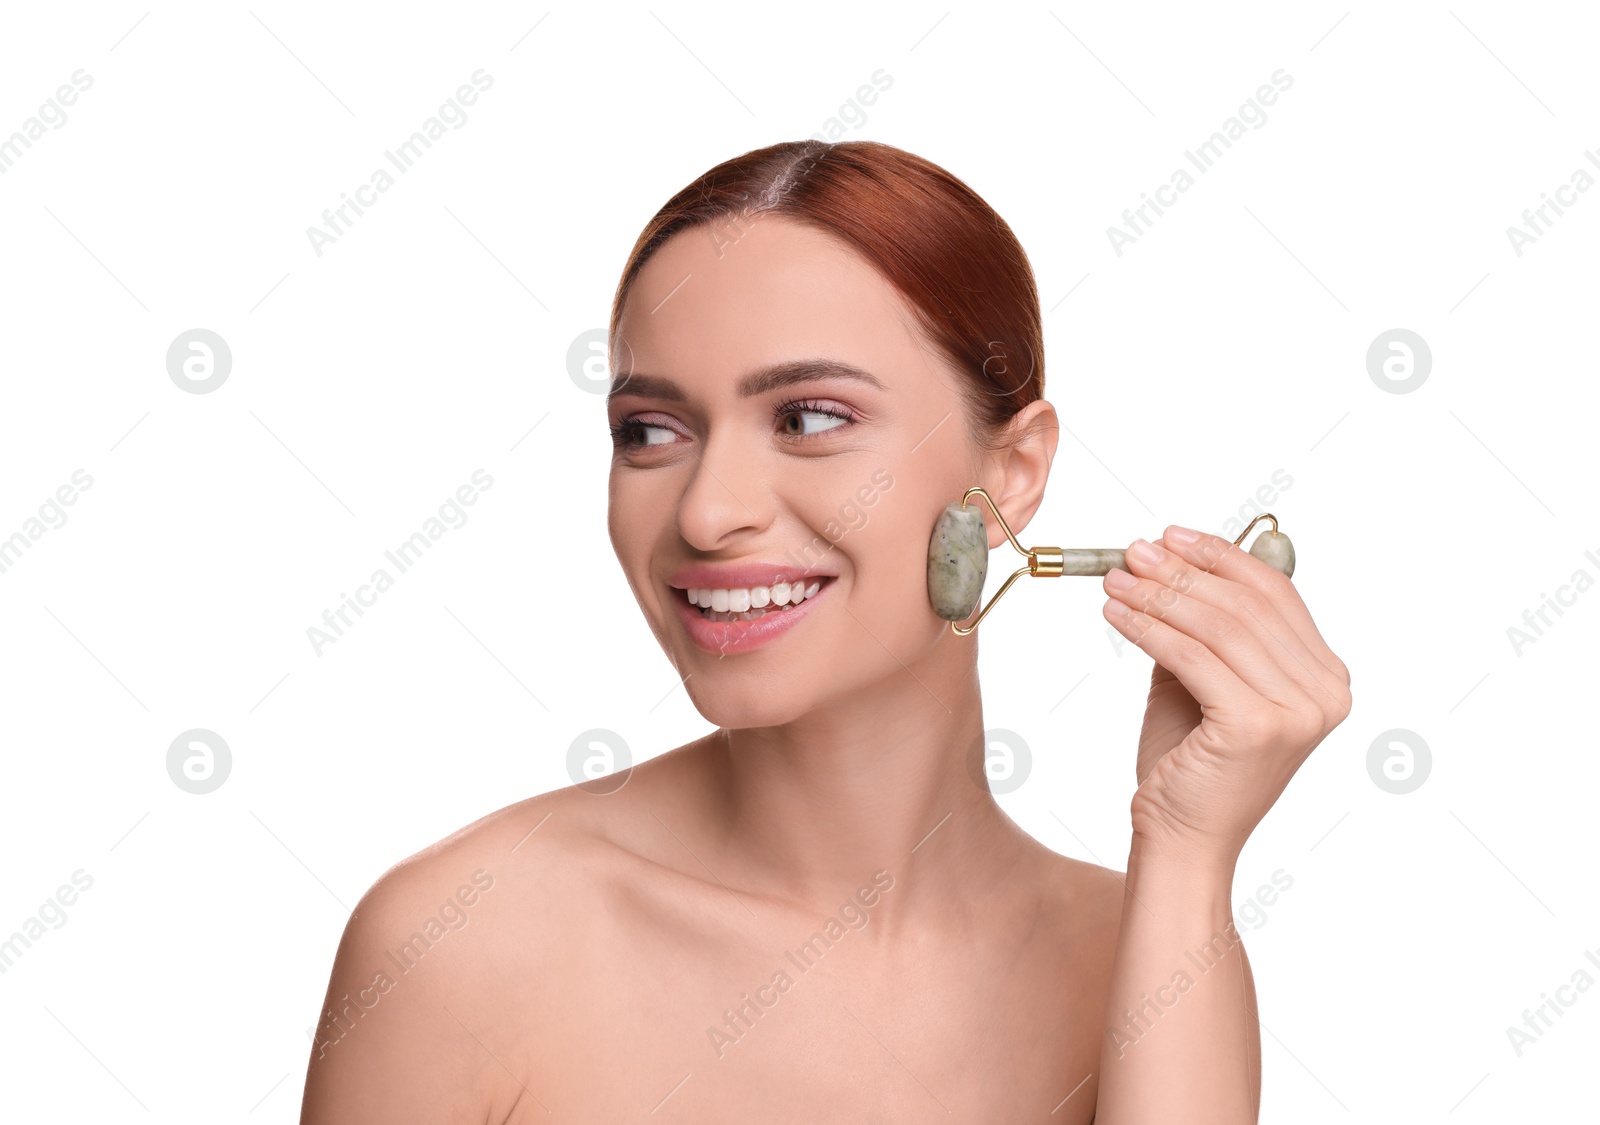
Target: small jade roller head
1274,549
958,560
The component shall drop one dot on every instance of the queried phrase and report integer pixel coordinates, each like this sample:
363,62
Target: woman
814,912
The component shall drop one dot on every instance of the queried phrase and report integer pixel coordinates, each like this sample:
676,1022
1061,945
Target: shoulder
497,883
437,950
1086,902
528,852
1105,886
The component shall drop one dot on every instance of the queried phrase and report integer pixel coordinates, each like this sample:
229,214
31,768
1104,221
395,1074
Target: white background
368,383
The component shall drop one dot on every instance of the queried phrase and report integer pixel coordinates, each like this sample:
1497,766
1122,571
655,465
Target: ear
1022,468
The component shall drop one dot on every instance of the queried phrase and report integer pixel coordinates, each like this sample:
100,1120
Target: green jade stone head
958,559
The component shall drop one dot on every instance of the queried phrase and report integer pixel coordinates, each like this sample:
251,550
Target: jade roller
958,559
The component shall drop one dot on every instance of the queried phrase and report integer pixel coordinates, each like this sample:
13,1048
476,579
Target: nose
727,495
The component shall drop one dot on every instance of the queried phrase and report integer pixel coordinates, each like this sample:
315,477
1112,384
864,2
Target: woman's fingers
1209,680
1192,626
1218,574
1214,555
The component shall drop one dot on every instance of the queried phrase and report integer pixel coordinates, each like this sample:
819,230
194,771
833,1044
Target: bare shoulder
531,852
447,944
1086,900
1105,885
510,876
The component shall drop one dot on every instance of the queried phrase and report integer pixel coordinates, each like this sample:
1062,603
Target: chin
739,709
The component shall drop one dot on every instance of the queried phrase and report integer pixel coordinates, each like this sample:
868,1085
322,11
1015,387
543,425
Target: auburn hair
949,254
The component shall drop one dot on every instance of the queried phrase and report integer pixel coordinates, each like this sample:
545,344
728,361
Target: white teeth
745,599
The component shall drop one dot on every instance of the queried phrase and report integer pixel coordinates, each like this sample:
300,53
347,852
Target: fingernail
1182,535
1119,579
1146,552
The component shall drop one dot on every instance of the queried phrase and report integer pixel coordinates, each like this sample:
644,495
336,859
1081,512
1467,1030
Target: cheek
616,521
890,555
634,524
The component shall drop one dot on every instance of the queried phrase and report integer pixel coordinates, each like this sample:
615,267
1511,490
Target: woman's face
745,462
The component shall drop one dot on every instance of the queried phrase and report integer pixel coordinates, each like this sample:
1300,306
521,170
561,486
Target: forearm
1181,1040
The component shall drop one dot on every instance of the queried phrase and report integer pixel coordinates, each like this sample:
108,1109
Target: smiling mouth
698,597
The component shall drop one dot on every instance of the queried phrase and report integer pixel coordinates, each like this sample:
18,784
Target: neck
890,781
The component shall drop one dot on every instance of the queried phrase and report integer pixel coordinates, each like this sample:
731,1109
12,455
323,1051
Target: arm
1243,689
1182,1042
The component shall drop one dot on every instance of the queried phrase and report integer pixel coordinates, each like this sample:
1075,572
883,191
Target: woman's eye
791,414
630,434
645,428
794,427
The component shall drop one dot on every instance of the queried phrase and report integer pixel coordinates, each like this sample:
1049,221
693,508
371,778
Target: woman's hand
1244,688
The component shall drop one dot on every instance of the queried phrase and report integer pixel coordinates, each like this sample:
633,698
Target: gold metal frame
1045,562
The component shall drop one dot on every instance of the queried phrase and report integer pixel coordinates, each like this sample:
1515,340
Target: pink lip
728,637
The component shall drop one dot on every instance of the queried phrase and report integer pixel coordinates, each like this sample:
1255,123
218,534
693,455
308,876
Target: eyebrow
761,381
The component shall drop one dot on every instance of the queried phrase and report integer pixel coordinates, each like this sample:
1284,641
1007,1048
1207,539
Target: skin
983,976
